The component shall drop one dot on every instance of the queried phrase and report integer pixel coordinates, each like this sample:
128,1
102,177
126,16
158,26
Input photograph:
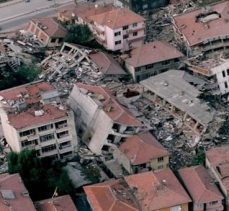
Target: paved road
15,15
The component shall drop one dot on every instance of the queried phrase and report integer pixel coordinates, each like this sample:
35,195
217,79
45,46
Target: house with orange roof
33,117
61,203
202,189
13,194
217,161
151,59
205,29
154,191
140,153
101,121
47,30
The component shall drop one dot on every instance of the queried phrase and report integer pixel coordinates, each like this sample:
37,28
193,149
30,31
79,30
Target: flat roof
172,87
204,24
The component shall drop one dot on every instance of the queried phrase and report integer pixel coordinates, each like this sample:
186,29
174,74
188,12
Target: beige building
154,191
151,59
101,121
33,117
202,189
217,161
142,152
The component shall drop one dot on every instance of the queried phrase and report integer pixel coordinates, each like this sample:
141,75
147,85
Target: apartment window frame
48,148
47,137
118,42
62,134
45,127
125,36
65,144
223,74
225,85
135,34
160,159
27,132
135,24
117,33
26,143
125,27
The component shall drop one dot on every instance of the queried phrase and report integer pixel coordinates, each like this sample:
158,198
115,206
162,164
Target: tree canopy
41,177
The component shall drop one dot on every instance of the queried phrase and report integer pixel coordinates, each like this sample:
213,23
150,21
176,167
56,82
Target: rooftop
60,203
26,103
107,65
151,53
13,194
110,105
174,88
202,25
148,191
84,10
50,26
117,18
218,158
142,148
200,185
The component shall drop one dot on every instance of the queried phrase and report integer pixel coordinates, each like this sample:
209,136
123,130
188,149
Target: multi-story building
217,161
141,5
154,191
151,59
204,30
202,189
33,117
47,30
101,121
14,195
118,30
140,153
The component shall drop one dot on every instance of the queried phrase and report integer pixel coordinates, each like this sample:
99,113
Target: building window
227,71
48,148
225,84
149,66
27,133
66,154
135,34
47,137
61,124
160,167
125,27
135,24
213,203
160,159
125,36
118,42
65,145
117,34
45,127
166,62
28,143
223,73
62,134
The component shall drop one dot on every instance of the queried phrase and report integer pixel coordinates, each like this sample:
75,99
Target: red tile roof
27,118
14,184
110,105
158,190
142,148
116,18
197,32
145,191
31,93
111,195
200,185
107,65
50,26
84,10
151,53
218,155
61,203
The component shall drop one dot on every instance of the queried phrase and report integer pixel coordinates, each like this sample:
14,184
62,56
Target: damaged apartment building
177,92
33,117
101,121
204,30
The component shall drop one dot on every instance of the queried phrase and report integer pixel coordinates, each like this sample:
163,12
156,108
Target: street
12,16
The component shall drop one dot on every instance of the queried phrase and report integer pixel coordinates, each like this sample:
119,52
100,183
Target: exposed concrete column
172,107
163,102
185,116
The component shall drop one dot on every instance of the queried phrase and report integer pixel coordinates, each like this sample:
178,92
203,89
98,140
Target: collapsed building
204,30
173,91
84,64
33,117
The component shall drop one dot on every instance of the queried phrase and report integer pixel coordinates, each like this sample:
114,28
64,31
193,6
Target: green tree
200,156
79,34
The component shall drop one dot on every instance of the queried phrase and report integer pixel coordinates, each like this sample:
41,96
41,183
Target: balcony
132,38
